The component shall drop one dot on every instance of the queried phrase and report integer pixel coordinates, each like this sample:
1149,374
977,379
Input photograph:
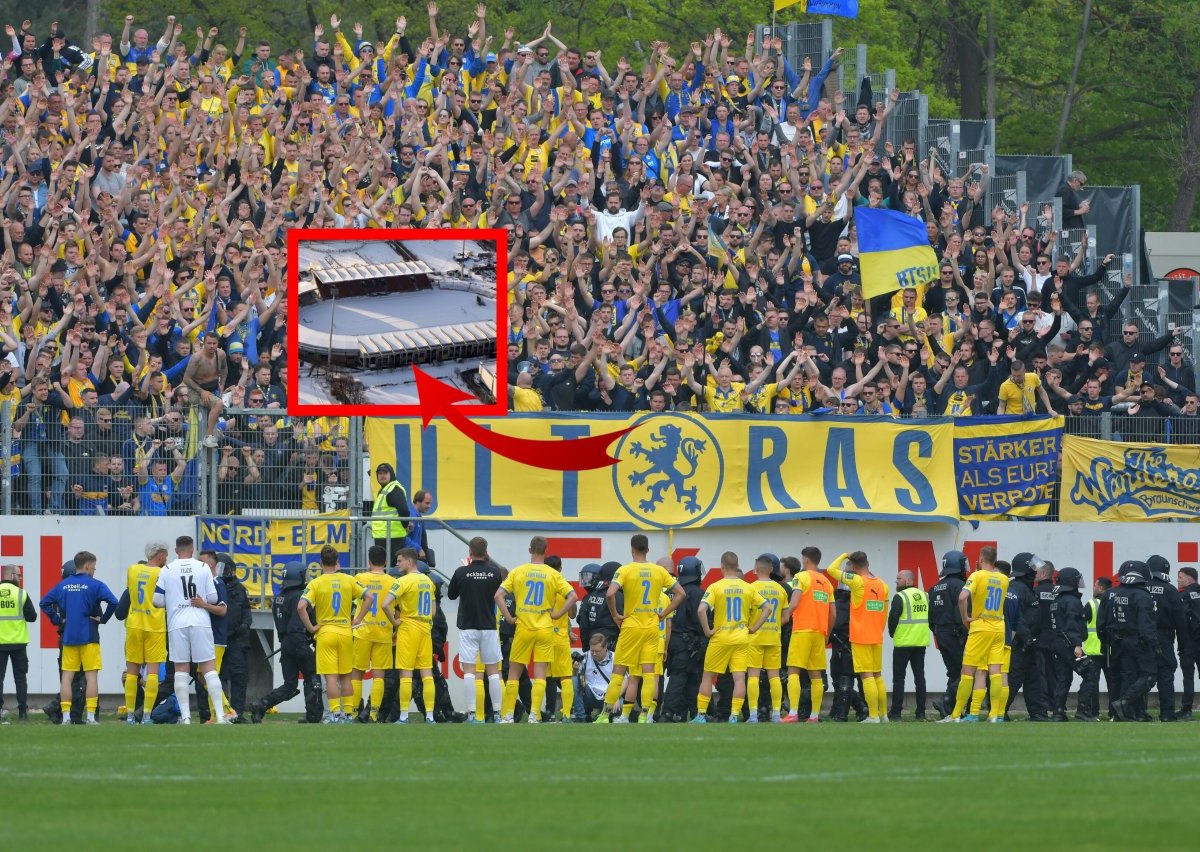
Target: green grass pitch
901,786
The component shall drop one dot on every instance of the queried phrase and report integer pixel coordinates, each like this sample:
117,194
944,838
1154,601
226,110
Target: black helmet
1069,580
227,565
689,570
1133,573
954,562
1159,568
293,576
1026,565
607,571
588,574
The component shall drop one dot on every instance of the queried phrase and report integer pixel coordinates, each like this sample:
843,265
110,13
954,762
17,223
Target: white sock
496,689
91,716
429,715
181,694
213,681
469,683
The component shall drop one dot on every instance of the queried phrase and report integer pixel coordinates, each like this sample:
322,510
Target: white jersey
179,581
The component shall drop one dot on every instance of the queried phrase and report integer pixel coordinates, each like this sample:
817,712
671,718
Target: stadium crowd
681,236
657,639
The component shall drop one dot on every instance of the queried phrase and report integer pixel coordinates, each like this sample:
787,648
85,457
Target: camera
577,656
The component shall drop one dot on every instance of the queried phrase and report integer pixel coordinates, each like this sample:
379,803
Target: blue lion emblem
664,456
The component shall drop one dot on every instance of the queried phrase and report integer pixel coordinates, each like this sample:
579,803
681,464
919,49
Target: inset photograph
370,306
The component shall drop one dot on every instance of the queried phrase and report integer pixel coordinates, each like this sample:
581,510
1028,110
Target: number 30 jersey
642,583
988,590
534,589
178,582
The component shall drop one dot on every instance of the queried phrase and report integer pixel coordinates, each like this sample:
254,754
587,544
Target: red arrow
438,400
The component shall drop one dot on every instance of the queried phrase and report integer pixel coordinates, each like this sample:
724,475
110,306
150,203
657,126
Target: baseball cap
462,169
733,78
491,57
524,49
845,258
1074,398
236,348
1137,356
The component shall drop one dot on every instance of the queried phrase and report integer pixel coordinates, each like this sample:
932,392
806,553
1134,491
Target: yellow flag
783,4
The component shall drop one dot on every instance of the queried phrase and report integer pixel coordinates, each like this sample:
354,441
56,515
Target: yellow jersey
724,401
143,614
414,594
333,596
562,624
770,634
535,588
1022,399
732,601
642,583
988,589
375,626
664,601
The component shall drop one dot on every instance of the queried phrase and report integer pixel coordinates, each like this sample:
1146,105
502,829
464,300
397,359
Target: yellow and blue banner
1006,466
681,470
841,8
261,547
1112,481
893,251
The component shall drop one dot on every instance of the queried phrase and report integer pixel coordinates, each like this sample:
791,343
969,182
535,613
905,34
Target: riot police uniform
1170,621
1189,652
1046,640
1025,669
946,624
237,640
841,666
1127,626
594,615
685,650
1068,622
296,655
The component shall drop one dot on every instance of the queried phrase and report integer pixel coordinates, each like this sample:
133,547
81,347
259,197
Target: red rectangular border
497,235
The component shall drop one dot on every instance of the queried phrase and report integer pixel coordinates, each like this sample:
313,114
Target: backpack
167,712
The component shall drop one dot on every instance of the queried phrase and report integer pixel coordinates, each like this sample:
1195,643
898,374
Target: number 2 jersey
178,582
734,604
534,589
642,583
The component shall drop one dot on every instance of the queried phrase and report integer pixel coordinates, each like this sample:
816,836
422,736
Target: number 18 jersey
178,582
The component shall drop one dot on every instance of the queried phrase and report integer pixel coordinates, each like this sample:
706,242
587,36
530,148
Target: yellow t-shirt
770,634
642,583
333,597
534,589
988,589
375,626
1014,399
143,614
413,594
723,401
733,602
526,399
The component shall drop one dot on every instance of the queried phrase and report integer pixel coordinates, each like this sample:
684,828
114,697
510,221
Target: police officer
1127,626
1189,653
594,616
17,612
296,655
841,664
946,623
1089,692
391,501
1044,587
685,650
1068,620
234,667
908,625
1025,664
1170,617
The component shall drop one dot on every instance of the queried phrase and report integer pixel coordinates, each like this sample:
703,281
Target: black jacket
1191,604
237,614
1028,604
943,602
474,585
687,617
288,625
1043,624
594,616
1069,618
1128,615
1170,615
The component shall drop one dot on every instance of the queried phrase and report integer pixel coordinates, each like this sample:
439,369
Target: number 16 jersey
178,582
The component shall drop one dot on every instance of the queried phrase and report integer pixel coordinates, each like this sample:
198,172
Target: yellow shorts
1005,659
806,650
637,646
145,646
532,646
560,666
414,647
81,658
763,656
335,652
720,658
372,655
984,648
867,658
658,661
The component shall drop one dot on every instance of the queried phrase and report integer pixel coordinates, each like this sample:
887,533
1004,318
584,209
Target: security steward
1089,693
685,650
296,655
1189,591
1068,620
17,612
238,623
908,625
1045,589
391,501
1170,622
1127,626
946,624
1025,668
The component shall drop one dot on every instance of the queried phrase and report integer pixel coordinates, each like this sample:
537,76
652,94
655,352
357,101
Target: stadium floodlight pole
333,292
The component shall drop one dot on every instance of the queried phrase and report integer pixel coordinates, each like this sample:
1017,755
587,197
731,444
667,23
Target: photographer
593,671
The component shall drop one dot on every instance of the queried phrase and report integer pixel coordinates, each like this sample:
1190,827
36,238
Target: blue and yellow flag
893,251
841,8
